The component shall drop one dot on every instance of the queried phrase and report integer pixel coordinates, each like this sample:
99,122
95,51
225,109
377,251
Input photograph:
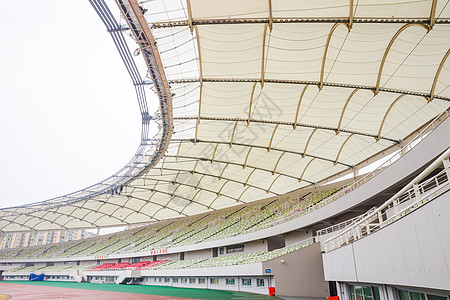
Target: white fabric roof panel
267,100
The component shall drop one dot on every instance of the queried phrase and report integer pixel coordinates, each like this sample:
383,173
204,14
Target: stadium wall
413,252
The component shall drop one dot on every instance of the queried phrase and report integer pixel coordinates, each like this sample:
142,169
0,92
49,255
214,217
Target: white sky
68,111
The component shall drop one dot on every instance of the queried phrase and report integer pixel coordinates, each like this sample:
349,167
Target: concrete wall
206,253
221,285
301,274
413,251
297,236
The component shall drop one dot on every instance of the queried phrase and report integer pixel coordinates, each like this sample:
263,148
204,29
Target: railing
398,205
344,224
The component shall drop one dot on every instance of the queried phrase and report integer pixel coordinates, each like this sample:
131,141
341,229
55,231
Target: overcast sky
68,111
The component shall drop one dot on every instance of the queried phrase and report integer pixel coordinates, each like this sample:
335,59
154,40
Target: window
367,293
160,279
191,280
230,281
235,248
221,250
201,280
183,280
408,295
214,280
175,280
260,282
246,281
166,279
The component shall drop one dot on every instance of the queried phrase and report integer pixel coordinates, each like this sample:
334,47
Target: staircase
127,276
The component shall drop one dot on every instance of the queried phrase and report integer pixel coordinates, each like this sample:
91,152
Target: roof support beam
433,14
268,190
219,192
307,143
288,124
173,193
176,177
189,11
195,166
275,149
198,183
270,16
327,44
248,178
239,199
271,139
212,202
383,60
339,85
178,151
298,105
343,110
251,102
215,176
223,170
100,212
352,20
342,147
304,170
246,158
278,161
385,116
263,55
232,135
240,165
201,81
214,153
192,201
169,194
437,76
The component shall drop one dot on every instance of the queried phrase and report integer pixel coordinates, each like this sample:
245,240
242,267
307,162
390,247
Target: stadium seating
181,232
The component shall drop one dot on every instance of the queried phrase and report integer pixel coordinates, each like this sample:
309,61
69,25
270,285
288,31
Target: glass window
166,279
214,280
367,290
376,293
235,248
404,295
434,297
259,282
230,281
246,281
175,280
183,280
359,293
191,280
201,280
417,296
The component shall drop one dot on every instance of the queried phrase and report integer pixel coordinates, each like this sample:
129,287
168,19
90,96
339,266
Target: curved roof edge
141,162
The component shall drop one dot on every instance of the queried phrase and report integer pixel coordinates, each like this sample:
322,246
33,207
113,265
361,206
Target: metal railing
343,224
408,199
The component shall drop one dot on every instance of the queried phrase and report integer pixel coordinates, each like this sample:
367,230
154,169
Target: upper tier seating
184,231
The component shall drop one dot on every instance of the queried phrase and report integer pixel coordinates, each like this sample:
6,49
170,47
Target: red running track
34,292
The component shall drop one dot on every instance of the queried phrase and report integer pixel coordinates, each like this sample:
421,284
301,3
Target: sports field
82,291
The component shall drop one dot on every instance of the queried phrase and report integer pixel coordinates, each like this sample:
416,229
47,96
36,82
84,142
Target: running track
22,292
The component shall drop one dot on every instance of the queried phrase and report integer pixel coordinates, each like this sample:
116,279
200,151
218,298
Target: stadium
301,149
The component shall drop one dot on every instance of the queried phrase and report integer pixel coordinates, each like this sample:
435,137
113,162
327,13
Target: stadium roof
266,97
